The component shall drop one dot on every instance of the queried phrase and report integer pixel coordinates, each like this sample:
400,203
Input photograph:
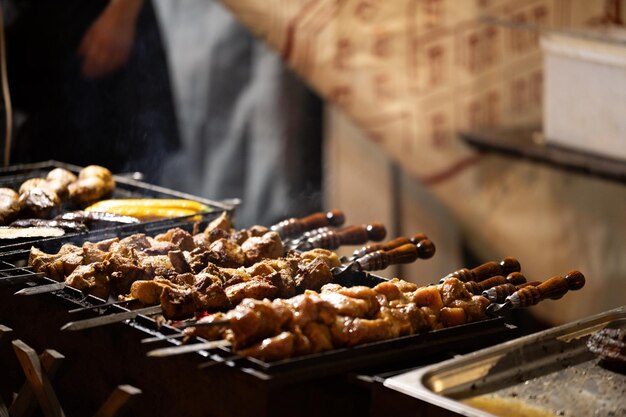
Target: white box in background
585,92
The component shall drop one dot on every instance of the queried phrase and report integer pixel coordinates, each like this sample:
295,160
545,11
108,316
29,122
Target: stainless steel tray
544,374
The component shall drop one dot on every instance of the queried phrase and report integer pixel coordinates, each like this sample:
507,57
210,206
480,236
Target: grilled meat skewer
336,317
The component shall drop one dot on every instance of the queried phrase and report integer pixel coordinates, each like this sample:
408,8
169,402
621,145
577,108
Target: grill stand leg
38,380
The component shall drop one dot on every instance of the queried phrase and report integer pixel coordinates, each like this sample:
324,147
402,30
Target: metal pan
544,374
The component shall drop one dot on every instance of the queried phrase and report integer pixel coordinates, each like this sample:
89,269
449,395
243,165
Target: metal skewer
94,307
219,361
179,350
21,278
163,337
41,289
18,268
111,318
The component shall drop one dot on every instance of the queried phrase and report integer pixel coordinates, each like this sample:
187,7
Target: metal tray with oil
550,373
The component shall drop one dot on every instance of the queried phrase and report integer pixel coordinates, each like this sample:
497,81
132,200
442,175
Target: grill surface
101,358
14,176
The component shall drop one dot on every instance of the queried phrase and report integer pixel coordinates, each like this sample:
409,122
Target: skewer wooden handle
293,227
514,278
555,287
425,249
392,244
380,259
351,235
486,270
499,293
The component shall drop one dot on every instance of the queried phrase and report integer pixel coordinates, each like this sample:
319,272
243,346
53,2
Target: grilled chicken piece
272,349
474,308
319,337
66,225
350,306
429,296
330,258
453,289
308,308
214,332
343,317
91,279
254,320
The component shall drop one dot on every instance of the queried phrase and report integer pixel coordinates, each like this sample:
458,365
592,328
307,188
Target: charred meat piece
56,266
227,254
41,203
199,258
177,303
242,235
158,265
91,279
222,223
255,288
137,241
609,344
178,261
268,246
313,275
211,298
180,238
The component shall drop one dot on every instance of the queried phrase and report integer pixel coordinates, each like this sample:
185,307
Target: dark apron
125,121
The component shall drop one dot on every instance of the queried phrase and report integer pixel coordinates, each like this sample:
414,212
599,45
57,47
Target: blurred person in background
89,84
250,128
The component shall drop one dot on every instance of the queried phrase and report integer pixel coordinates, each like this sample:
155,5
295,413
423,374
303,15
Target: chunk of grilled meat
342,317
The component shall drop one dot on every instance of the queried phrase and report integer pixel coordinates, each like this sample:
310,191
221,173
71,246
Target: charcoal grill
14,176
113,355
